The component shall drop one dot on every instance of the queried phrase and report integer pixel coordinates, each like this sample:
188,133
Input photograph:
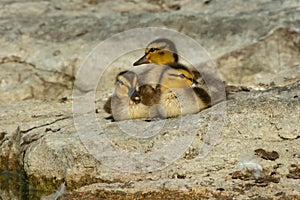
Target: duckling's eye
182,76
120,82
153,49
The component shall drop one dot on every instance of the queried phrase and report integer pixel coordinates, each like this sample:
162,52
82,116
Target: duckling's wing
203,96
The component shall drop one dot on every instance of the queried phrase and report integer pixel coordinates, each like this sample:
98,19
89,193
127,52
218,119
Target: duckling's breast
138,111
178,101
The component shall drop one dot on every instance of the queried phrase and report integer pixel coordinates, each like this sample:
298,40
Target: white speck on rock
252,163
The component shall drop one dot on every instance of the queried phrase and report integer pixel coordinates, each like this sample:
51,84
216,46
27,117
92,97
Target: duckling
125,102
155,79
160,51
179,98
163,51
170,89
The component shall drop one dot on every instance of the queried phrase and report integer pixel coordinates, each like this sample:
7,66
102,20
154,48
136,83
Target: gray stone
255,46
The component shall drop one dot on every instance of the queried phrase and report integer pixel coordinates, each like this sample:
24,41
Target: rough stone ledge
50,151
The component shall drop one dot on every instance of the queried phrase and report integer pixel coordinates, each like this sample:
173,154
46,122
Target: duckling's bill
142,60
134,95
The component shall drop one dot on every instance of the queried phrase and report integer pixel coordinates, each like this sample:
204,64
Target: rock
52,152
54,44
294,171
31,83
268,155
46,140
278,67
287,133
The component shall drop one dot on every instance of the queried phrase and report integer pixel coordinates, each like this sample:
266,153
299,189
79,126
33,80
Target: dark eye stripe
123,83
180,75
152,50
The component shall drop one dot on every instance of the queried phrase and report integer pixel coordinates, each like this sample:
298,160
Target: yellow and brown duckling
160,51
163,51
178,94
156,79
125,103
169,89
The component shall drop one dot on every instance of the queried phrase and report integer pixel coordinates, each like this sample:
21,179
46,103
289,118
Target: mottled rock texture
256,48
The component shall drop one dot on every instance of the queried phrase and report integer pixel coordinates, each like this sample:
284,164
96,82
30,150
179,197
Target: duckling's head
127,86
176,75
161,51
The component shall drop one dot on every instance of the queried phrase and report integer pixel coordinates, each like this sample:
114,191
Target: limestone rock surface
46,140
